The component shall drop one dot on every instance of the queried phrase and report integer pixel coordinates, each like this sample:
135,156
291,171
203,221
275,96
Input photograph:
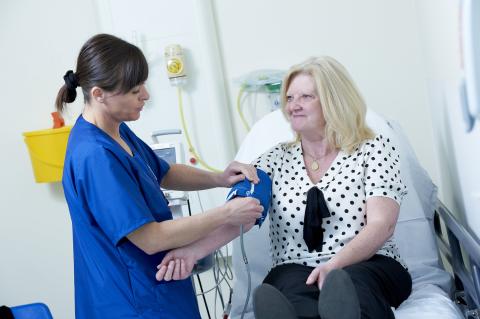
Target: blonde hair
343,107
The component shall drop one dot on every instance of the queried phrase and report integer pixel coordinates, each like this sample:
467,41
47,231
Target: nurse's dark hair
108,62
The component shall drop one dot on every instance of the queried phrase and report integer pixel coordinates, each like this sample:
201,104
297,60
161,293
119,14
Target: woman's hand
236,172
177,264
319,274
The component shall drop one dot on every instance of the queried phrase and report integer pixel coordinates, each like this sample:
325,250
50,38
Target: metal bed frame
460,248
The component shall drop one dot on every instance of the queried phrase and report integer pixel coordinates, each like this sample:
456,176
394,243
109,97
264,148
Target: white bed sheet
414,233
428,301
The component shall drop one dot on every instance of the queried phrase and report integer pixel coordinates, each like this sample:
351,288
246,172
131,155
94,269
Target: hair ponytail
68,92
64,96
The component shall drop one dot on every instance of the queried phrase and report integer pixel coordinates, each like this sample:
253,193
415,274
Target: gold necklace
314,165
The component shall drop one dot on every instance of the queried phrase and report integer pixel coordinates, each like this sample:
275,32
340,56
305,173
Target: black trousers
380,283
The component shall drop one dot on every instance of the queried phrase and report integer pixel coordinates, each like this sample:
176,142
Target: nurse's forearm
218,238
187,178
155,237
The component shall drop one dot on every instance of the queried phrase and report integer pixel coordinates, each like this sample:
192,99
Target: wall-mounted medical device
260,81
263,81
172,153
175,64
470,55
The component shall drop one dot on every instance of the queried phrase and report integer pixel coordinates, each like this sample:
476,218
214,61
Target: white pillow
270,130
414,175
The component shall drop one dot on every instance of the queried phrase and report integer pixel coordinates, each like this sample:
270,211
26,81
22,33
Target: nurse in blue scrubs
122,225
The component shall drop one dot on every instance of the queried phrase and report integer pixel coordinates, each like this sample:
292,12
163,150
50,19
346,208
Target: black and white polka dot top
371,170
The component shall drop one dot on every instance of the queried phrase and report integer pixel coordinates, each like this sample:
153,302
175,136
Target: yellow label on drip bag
174,66
174,61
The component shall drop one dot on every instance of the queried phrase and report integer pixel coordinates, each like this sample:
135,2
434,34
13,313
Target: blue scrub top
110,194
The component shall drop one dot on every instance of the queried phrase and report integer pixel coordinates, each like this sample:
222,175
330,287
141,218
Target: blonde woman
336,196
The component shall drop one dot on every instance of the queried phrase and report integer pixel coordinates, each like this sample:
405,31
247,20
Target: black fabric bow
315,211
71,80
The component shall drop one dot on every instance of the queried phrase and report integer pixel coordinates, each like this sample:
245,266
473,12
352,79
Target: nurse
122,225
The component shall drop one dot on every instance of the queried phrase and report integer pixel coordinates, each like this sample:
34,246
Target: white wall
458,151
376,40
40,42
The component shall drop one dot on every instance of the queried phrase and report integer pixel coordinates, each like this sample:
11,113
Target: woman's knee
382,276
282,276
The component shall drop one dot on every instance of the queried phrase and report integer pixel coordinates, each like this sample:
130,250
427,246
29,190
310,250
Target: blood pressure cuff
261,191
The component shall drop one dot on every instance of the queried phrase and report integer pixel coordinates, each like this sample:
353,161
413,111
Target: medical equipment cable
215,300
254,109
226,310
228,270
247,267
220,275
198,275
203,296
239,108
187,135
216,268
225,275
216,273
212,288
228,273
219,294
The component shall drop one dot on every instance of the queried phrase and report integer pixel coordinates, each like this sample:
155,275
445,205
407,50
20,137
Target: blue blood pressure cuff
261,191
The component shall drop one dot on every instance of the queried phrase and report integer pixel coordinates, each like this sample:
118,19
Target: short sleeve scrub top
110,194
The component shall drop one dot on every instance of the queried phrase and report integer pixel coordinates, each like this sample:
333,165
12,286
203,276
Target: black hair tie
71,80
315,211
6,313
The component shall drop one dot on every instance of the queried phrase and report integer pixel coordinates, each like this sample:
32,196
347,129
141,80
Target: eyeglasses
302,98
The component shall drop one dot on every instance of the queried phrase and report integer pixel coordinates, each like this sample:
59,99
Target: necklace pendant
314,166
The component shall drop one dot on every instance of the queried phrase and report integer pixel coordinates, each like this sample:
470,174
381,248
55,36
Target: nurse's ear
97,94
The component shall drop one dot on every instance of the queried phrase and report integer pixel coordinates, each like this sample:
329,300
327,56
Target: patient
335,201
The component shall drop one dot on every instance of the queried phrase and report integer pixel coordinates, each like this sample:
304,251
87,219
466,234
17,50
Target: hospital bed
436,293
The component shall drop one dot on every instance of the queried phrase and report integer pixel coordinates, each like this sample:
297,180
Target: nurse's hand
177,264
236,172
243,210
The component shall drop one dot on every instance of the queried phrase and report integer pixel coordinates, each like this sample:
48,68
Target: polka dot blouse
371,170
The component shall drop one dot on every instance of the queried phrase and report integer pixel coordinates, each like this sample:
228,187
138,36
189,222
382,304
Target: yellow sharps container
47,152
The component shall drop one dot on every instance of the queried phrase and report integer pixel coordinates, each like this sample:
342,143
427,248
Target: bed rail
460,247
